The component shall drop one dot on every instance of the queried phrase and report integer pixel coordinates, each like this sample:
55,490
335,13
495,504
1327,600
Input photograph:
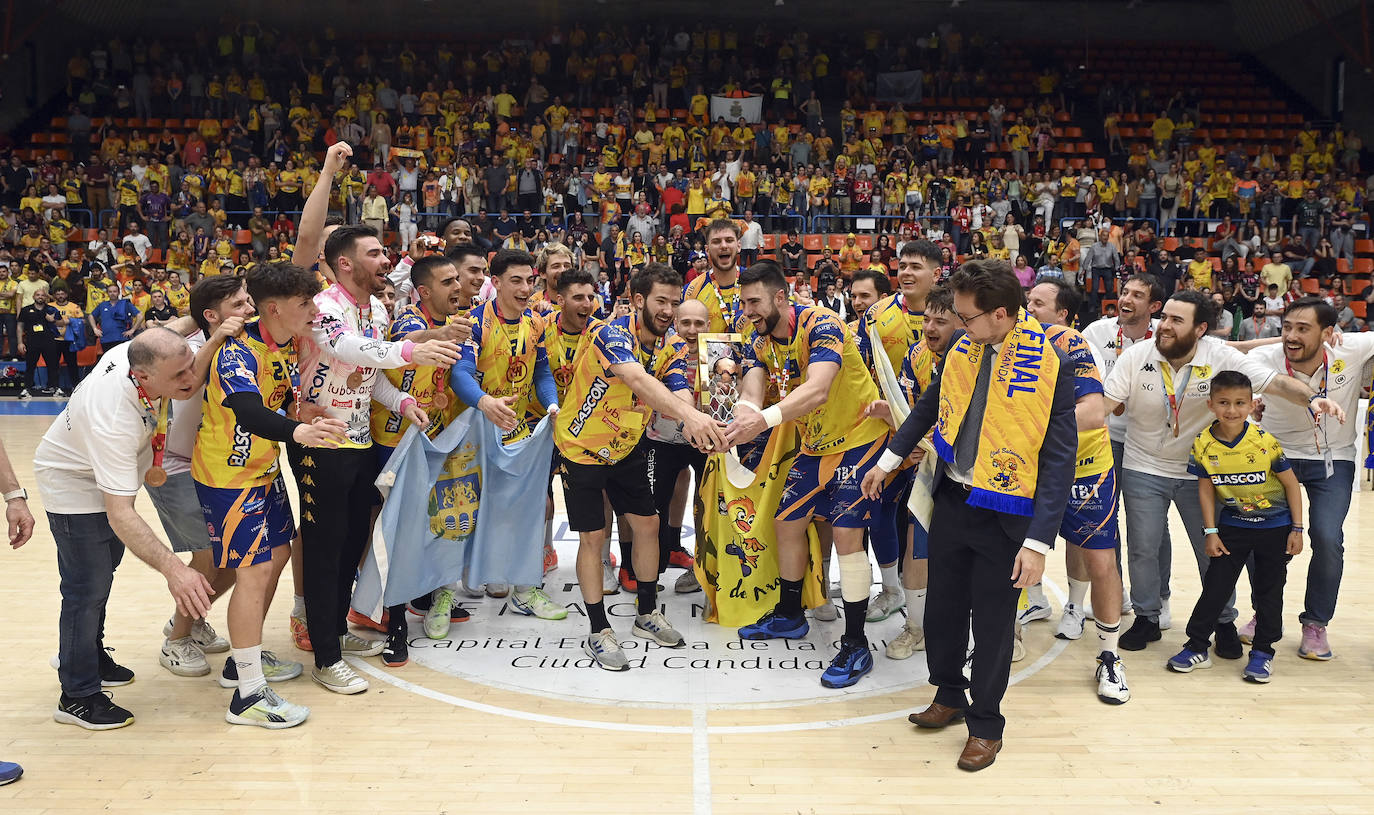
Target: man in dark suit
981,558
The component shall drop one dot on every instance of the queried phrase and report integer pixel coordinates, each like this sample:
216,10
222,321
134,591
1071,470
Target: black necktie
966,445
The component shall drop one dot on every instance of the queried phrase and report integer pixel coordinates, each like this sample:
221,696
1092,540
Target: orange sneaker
627,581
550,558
680,559
300,634
359,619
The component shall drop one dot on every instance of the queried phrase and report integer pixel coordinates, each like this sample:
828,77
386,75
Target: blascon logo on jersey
1238,479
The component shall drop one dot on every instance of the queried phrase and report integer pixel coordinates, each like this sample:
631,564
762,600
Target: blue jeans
1148,556
1329,502
87,555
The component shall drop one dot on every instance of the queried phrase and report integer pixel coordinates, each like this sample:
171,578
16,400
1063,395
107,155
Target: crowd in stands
180,160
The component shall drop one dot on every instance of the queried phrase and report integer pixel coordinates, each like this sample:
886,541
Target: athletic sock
676,542
789,600
298,606
1035,595
396,618
646,596
606,550
596,615
248,664
891,582
915,608
1078,591
854,613
1108,635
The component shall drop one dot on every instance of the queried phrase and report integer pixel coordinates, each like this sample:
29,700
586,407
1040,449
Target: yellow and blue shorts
1090,517
827,487
246,524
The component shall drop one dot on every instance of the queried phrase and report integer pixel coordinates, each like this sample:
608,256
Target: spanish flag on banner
736,552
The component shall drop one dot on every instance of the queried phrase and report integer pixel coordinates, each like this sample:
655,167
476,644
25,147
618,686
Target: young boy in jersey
628,367
238,478
1260,516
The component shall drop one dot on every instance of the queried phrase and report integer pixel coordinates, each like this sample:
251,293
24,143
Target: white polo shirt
100,444
1137,382
1102,335
1344,374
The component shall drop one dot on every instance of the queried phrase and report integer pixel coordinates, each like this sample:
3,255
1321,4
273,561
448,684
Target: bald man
670,454
89,467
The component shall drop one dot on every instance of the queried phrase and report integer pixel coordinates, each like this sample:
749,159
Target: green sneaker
536,603
438,618
265,709
274,669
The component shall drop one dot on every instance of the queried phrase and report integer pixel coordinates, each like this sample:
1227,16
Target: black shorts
625,483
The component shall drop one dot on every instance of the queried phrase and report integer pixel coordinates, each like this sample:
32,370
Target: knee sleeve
856,576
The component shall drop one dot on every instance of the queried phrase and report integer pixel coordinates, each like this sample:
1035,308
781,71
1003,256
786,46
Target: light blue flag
430,532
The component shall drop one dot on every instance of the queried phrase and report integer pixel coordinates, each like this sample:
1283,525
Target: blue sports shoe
9,772
849,665
774,626
1261,667
1186,661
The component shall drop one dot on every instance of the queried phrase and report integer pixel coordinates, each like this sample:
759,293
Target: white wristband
889,461
772,415
749,405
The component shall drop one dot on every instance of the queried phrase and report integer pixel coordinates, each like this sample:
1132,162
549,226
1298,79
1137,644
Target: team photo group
957,433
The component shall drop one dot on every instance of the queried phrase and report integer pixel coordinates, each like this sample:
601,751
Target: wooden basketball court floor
428,741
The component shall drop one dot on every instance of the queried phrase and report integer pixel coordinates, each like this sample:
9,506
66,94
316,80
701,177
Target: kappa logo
1150,368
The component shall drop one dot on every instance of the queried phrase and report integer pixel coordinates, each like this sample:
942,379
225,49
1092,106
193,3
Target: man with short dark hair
719,288
823,386
1002,408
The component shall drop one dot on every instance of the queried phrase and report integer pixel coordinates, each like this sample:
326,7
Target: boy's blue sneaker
849,665
1260,668
774,626
9,772
1186,661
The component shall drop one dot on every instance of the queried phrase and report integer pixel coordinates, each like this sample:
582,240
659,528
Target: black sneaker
396,652
1228,644
95,712
112,674
1141,633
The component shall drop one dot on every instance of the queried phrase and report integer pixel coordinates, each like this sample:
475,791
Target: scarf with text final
1020,396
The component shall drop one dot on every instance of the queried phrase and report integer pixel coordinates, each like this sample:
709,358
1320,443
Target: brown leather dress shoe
979,754
936,716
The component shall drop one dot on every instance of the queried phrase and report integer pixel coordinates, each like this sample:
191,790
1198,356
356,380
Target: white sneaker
274,669
826,613
265,709
340,678
906,643
1035,611
472,591
687,582
1166,620
183,658
604,648
1071,624
535,603
610,584
887,603
203,635
1126,607
655,626
1111,679
351,643
439,617
498,590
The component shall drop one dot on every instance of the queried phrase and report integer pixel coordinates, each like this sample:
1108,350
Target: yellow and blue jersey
424,382
723,311
1244,474
838,423
1095,445
602,420
918,369
505,358
561,348
898,328
226,456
